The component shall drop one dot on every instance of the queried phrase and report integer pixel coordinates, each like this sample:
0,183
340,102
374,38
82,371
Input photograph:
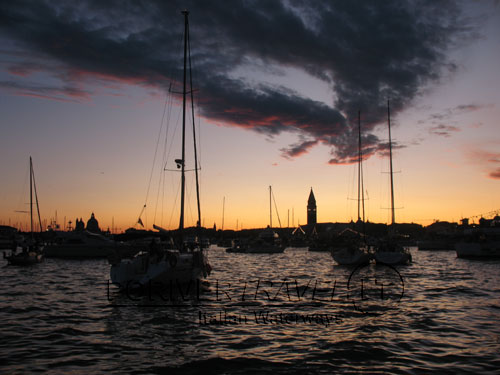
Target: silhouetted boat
84,244
268,240
351,248
389,250
31,251
480,243
160,265
355,251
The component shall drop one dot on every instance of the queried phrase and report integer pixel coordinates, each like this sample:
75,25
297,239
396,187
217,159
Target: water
277,313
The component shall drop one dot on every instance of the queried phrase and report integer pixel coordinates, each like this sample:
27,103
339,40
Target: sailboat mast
194,131
359,166
183,177
361,187
31,197
393,216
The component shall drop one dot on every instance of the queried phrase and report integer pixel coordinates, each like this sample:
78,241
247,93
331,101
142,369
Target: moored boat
480,243
160,265
350,246
84,244
389,250
31,249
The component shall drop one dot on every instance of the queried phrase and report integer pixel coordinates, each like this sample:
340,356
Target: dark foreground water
294,312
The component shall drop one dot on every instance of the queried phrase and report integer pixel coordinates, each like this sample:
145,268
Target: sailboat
389,251
31,250
162,265
268,240
356,251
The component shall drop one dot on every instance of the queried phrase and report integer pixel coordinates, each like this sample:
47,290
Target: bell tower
311,209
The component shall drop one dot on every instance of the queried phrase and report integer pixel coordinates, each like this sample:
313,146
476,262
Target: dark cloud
65,94
443,130
298,148
441,122
366,51
495,174
450,113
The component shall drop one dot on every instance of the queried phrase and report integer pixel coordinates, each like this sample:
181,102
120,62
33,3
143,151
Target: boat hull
24,259
477,250
347,256
393,257
172,267
77,251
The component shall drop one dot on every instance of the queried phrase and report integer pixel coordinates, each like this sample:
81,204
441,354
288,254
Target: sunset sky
83,87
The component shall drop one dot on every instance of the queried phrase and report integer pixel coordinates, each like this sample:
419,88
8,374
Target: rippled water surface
295,312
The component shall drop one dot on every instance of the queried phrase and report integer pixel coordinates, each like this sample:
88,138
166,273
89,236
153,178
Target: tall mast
194,131
393,216
31,196
183,160
361,197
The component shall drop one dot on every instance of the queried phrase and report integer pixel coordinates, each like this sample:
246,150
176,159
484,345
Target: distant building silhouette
79,225
311,209
93,224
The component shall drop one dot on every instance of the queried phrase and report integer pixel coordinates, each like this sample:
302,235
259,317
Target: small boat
351,248
480,243
353,255
29,255
161,265
268,242
237,247
7,236
389,250
31,250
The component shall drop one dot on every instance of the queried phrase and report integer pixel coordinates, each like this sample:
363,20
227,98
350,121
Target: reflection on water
257,312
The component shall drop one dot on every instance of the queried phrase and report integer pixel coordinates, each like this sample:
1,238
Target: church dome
93,224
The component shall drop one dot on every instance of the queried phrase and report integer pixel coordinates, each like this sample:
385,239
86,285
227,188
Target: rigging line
172,137
22,196
156,150
276,208
36,196
174,205
161,188
166,111
166,155
161,176
154,162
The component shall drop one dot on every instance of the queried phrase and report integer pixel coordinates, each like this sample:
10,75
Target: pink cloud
490,159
